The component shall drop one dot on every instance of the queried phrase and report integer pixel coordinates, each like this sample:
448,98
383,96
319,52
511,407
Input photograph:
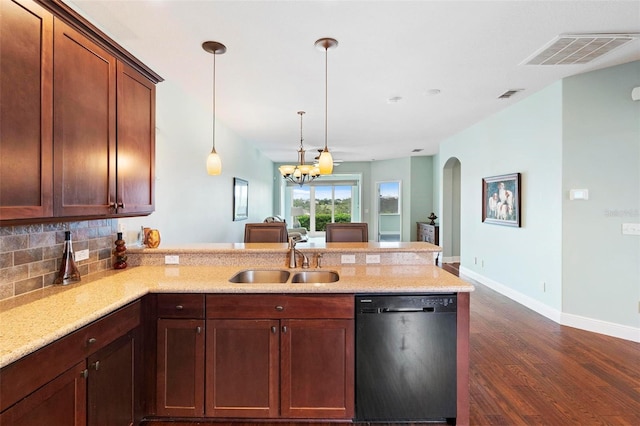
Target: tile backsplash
30,254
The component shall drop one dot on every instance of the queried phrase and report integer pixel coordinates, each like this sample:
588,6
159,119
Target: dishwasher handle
405,310
395,310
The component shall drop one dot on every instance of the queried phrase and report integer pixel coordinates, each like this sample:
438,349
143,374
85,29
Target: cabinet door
180,381
317,369
136,142
62,401
242,368
84,125
26,61
111,383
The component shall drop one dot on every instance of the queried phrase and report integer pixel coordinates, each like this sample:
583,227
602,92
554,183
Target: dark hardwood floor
528,370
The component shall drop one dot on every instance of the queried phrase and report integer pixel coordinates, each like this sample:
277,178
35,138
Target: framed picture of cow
501,200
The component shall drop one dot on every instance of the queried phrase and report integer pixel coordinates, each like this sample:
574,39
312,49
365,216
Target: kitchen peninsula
129,308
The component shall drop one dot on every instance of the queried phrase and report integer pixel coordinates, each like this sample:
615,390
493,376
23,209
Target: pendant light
325,162
214,164
301,173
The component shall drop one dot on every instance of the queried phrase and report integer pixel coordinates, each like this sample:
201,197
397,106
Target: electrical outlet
121,227
348,258
172,260
82,255
373,258
543,286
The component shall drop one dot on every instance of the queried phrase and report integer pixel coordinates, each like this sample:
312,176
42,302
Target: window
334,198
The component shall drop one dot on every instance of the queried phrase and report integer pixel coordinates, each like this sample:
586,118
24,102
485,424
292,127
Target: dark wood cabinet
316,358
111,384
287,356
428,233
136,127
90,376
84,125
180,355
26,122
77,122
62,401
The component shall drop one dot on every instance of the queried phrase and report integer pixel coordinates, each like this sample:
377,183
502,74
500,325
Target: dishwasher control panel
380,304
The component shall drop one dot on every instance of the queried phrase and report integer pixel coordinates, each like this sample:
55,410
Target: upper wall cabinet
26,116
84,141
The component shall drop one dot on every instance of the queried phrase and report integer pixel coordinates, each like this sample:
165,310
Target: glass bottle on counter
68,272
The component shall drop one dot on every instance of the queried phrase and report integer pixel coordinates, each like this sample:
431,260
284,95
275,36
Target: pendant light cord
326,90
214,102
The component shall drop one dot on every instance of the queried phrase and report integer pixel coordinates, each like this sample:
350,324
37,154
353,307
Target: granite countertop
34,320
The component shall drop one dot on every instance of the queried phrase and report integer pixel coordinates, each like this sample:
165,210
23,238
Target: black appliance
406,358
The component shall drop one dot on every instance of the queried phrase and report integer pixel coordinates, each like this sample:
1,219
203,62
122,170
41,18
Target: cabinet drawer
24,376
280,306
178,305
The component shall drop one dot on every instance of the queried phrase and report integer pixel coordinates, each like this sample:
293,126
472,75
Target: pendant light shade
325,162
214,163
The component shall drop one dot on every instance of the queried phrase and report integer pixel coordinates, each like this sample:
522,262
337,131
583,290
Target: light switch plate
172,260
81,255
631,228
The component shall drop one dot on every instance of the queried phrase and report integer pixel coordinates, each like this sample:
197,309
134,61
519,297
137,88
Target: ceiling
470,51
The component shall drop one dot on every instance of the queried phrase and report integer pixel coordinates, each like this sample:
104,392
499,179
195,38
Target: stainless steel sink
315,277
250,276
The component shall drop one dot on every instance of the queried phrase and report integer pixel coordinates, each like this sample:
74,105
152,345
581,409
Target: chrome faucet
293,253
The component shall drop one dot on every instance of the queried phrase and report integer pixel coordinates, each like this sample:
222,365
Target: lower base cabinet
180,355
279,356
62,401
111,386
89,377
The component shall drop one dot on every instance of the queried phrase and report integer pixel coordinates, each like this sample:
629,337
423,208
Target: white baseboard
570,320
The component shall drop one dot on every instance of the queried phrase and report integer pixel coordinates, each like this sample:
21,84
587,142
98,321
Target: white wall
192,206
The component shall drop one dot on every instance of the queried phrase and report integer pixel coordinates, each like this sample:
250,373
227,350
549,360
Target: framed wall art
501,200
240,199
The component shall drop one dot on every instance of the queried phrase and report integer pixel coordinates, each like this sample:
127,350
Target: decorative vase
120,253
433,218
153,238
68,272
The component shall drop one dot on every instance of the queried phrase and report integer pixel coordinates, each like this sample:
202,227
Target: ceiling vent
571,49
509,93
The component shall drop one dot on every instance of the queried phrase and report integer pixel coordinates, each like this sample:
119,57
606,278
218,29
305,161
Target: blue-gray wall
569,260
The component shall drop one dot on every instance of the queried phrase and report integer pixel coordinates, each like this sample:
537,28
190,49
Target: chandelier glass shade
300,173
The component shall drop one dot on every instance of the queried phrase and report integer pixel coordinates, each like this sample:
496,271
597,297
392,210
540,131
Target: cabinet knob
274,329
96,365
179,307
198,330
120,205
84,373
279,308
284,329
91,341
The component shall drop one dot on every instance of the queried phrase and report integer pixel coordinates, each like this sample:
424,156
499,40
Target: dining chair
347,232
266,232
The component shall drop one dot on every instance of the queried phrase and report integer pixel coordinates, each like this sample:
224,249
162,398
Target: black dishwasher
406,357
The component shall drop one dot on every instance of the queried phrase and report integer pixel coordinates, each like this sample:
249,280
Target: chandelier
301,173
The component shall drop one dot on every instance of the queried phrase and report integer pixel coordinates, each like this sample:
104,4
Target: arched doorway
450,220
